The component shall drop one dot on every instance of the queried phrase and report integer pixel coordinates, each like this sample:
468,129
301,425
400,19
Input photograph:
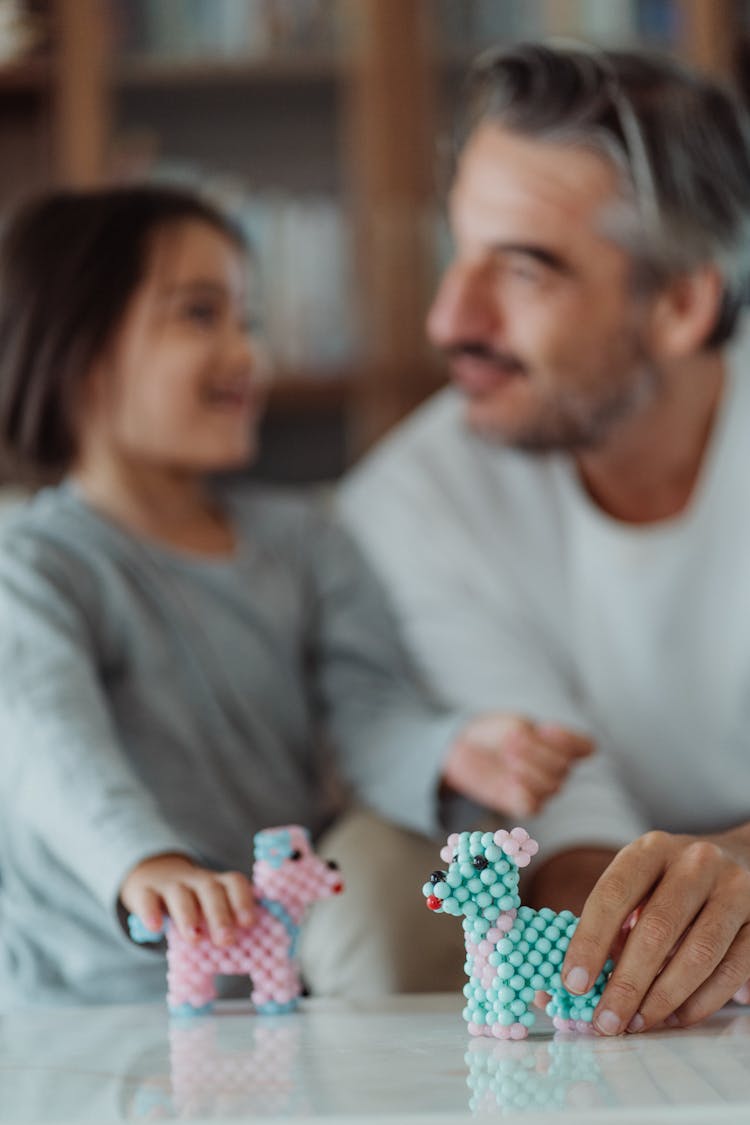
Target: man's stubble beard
577,421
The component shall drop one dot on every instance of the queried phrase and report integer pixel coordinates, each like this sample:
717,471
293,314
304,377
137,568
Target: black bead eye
296,854
480,862
332,864
438,877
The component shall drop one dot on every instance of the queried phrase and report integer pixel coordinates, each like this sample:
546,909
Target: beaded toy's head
287,868
482,873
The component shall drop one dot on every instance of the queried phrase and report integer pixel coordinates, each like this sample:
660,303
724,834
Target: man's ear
686,311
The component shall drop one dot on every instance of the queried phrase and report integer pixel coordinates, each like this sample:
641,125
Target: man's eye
523,272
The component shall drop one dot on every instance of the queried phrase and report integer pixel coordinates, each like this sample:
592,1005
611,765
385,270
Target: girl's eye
201,312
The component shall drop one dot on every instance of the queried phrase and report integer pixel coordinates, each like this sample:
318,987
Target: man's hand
512,765
189,894
688,951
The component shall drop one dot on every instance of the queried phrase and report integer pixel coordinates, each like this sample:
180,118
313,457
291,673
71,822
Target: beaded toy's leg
576,1013
498,997
275,984
191,991
281,990
477,1013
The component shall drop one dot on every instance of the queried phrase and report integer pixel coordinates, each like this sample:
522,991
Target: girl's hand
513,765
190,895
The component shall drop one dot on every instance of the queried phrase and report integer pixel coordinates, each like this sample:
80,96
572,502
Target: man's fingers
485,778
571,743
720,986
619,890
742,995
528,750
539,782
504,762
663,921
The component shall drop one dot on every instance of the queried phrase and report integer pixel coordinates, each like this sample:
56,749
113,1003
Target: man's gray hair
679,141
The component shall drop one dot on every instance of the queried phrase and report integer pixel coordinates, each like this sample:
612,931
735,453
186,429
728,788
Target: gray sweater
155,701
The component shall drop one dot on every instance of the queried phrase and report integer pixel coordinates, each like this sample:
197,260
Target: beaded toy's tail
141,933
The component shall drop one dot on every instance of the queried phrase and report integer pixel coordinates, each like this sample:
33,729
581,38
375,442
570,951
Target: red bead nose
338,888
433,902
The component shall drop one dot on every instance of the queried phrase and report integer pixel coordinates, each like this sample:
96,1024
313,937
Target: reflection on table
399,1058
579,1072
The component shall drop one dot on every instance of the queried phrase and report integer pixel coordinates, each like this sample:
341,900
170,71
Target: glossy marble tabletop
405,1059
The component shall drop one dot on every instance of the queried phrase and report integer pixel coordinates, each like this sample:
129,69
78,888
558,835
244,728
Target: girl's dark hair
69,263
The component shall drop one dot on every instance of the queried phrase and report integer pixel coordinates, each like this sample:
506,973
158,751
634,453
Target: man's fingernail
246,917
609,1023
743,995
577,980
226,933
637,1023
672,1021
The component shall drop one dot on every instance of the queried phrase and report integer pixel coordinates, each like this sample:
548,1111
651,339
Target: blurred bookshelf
315,122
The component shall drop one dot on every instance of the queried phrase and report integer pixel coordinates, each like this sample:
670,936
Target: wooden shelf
154,71
26,76
313,392
358,123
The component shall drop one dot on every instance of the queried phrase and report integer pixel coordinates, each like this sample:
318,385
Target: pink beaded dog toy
512,951
287,878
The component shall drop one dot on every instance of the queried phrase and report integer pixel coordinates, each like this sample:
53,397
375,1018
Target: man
564,532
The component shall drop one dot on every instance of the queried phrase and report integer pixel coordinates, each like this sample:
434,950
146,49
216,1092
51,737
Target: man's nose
464,308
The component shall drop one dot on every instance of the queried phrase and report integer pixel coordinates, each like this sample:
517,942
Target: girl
171,648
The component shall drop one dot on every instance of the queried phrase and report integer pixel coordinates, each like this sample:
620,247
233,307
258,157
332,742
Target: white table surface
399,1060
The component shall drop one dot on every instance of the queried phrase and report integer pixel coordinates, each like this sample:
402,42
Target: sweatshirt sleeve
389,735
476,640
63,772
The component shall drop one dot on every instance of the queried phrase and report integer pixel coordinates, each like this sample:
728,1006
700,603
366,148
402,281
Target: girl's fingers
217,911
184,910
146,904
239,892
151,911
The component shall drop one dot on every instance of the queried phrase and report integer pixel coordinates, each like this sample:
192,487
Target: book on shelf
23,30
473,24
181,30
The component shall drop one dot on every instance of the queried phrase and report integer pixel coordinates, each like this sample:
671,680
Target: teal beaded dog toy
512,951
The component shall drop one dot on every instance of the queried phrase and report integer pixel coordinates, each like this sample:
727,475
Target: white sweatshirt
516,592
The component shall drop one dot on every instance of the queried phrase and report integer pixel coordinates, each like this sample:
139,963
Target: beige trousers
379,937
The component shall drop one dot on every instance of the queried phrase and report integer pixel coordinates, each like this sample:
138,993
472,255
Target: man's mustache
505,362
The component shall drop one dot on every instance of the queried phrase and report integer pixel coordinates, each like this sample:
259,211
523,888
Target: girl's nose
249,354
